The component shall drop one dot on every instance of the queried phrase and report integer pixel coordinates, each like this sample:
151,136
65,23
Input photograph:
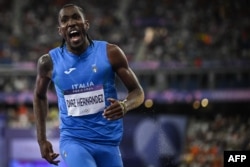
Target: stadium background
192,58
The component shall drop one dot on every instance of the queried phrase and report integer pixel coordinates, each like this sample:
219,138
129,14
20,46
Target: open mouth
74,35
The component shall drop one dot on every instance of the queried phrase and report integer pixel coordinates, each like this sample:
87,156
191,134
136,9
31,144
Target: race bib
85,101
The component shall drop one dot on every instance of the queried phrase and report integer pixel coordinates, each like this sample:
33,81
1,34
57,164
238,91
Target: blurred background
192,58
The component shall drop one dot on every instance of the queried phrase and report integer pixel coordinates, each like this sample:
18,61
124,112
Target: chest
85,71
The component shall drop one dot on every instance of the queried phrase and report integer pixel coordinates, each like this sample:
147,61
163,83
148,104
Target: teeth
74,31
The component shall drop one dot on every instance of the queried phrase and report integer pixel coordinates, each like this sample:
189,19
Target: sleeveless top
83,84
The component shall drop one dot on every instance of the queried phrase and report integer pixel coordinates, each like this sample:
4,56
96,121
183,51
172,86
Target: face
73,28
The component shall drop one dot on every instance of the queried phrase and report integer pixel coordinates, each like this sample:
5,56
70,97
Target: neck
79,49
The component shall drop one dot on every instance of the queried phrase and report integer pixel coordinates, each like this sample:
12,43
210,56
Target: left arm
135,96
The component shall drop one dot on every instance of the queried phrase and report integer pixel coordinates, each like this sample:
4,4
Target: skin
72,18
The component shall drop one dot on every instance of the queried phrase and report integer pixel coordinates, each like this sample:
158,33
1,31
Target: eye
64,19
76,17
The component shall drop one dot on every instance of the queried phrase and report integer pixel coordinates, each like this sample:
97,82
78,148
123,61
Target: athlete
83,72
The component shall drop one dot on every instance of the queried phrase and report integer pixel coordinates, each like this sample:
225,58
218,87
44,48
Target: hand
114,111
48,153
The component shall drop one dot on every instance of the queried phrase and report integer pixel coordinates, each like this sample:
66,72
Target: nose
71,22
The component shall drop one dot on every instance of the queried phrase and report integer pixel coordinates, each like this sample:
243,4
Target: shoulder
45,63
99,42
114,49
44,59
114,52
116,56
56,51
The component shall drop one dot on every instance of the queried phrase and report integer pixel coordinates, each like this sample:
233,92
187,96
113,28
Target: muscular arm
40,106
40,103
120,65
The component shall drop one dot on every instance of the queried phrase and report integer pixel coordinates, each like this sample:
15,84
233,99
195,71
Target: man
83,72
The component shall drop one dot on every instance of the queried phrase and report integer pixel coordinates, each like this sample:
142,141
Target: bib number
85,101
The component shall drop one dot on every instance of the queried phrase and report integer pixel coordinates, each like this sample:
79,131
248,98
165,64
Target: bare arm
135,95
40,106
40,102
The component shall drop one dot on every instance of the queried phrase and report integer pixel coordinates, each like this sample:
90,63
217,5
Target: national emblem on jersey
94,68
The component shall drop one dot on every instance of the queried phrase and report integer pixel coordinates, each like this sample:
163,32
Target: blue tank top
83,84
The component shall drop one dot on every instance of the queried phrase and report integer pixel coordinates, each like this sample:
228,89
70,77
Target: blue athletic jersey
83,84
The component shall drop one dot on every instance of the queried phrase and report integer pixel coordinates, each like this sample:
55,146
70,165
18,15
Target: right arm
40,106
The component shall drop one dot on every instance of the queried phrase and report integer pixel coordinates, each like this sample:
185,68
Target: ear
86,25
60,31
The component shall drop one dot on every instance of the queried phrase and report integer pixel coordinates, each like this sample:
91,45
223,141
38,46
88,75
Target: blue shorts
82,153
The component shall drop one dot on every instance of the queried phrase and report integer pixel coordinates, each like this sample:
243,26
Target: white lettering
243,158
236,158
82,85
231,158
74,86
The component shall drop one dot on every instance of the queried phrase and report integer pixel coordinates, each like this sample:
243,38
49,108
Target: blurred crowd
195,32
208,138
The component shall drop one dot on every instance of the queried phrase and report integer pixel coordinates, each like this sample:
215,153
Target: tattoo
45,65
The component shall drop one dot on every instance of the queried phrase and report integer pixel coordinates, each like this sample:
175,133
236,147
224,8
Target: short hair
72,5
